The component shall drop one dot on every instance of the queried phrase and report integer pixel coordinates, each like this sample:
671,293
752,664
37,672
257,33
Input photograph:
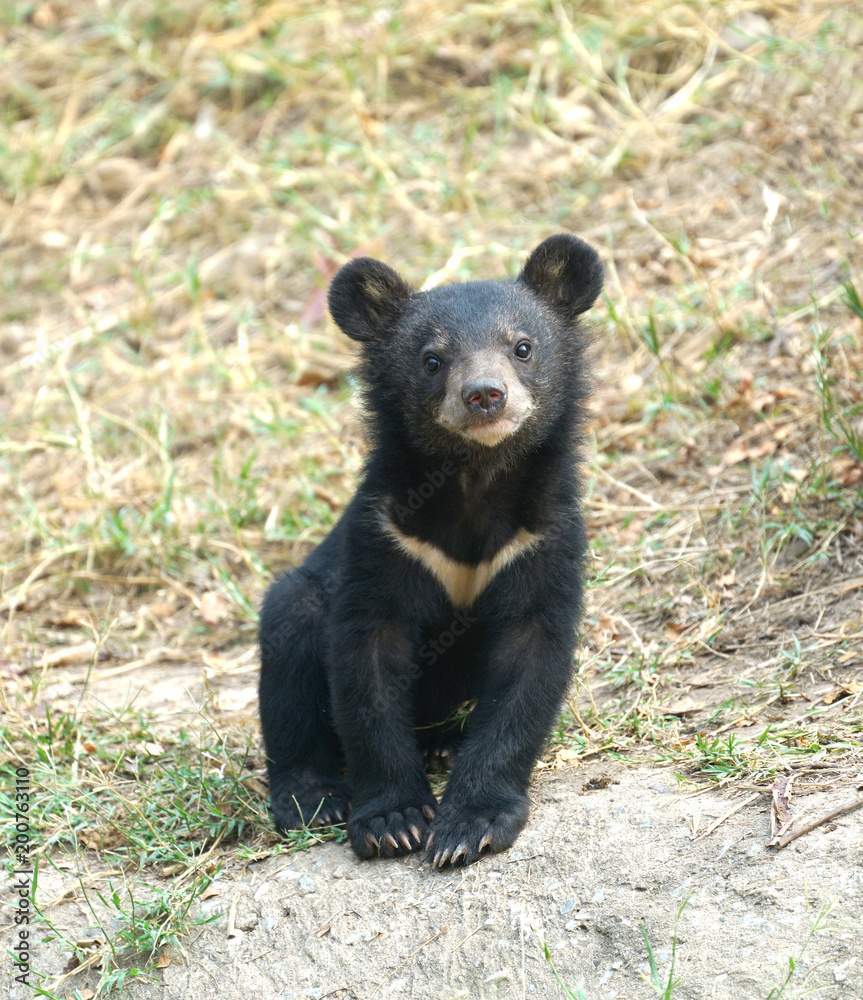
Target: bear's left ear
565,272
365,297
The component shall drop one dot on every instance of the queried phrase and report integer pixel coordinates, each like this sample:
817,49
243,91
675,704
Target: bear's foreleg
372,692
485,805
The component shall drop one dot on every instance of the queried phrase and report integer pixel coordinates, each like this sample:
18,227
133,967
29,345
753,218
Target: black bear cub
453,576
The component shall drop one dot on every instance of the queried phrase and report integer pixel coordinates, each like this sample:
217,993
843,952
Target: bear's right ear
365,297
565,272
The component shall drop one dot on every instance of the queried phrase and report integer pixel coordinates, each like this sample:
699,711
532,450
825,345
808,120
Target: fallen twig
232,914
725,816
820,821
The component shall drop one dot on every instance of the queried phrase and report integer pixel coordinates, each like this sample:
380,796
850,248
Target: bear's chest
462,582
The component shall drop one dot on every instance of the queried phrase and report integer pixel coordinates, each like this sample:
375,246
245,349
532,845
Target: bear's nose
486,396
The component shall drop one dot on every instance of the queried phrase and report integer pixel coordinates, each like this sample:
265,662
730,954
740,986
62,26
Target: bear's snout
486,396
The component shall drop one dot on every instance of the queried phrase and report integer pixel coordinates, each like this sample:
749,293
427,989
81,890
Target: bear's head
488,363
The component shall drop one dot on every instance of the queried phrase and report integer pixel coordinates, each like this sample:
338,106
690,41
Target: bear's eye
523,351
432,364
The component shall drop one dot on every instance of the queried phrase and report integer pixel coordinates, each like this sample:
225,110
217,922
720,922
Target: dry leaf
72,618
763,402
210,891
763,449
781,799
95,838
745,388
164,961
234,701
160,609
788,492
788,392
740,452
853,687
735,454
608,623
781,818
82,653
213,607
676,630
316,377
846,471
683,706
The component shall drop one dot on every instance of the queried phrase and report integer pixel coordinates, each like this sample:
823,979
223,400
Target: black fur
365,657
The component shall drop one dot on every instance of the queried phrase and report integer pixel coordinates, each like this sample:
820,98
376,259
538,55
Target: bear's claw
391,833
308,800
462,834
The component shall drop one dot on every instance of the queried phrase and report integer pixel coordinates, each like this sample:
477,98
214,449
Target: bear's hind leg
304,759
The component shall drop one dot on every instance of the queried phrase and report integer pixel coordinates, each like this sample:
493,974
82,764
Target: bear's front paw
307,799
389,833
460,834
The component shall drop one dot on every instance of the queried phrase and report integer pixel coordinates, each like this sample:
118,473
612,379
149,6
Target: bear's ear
365,297
565,272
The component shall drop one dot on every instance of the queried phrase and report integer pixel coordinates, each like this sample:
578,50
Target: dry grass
180,180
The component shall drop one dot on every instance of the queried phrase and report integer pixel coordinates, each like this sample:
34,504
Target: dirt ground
592,866
611,846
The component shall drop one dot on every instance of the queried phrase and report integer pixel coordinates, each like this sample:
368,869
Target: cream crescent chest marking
462,582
